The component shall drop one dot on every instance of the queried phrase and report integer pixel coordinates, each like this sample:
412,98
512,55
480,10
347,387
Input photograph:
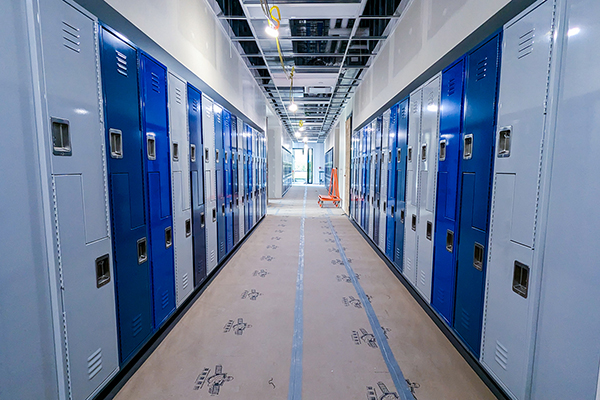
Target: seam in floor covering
295,388
388,356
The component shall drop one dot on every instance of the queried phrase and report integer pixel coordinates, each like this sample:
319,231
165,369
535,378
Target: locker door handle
478,256
116,143
424,152
151,146
142,250
214,214
188,227
392,210
216,155
414,222
429,231
443,150
206,154
468,147
168,237
193,153
449,240
202,220
384,206
102,271
504,141
223,208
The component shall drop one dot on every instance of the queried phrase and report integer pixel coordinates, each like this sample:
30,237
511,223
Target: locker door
227,181
240,166
392,135
220,182
428,159
372,176
446,224
153,86
412,187
197,180
210,183
567,346
383,185
127,193
475,174
377,180
180,178
234,180
401,163
247,178
250,178
81,228
519,142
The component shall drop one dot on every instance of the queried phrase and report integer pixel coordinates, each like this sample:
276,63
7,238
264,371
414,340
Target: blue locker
227,181
153,97
401,146
235,162
197,177
475,173
365,178
220,180
391,179
446,232
368,172
251,175
126,189
377,185
246,179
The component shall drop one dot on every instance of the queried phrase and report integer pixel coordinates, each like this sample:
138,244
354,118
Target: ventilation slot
71,37
195,105
501,355
185,281
165,299
121,63
136,324
526,44
155,83
94,364
178,95
403,113
465,319
481,69
423,282
451,87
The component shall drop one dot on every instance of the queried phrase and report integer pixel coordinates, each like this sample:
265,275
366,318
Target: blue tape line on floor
397,376
295,389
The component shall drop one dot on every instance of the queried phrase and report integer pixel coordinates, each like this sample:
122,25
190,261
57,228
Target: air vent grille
526,44
94,363
481,69
121,63
71,37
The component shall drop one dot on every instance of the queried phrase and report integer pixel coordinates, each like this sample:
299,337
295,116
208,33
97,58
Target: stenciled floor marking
295,388
393,367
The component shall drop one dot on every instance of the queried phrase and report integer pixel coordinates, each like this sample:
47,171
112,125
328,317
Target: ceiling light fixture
272,30
297,134
293,107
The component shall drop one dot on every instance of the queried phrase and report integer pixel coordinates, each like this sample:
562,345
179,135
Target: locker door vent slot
206,154
468,147
449,240
478,256
168,237
451,87
142,251
71,37
399,155
151,141
202,220
178,95
116,143
526,43
175,151
102,271
61,137
155,82
121,63
414,222
504,142
188,227
521,279
481,69
409,153
443,150
429,231
94,363
193,152
402,215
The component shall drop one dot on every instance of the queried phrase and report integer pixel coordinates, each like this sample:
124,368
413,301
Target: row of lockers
449,184
152,185
287,161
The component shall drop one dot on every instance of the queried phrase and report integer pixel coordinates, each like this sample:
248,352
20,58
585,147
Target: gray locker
28,369
567,349
512,278
385,156
427,157
74,127
208,135
241,166
180,172
412,187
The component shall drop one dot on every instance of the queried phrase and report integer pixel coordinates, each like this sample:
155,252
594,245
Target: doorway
303,165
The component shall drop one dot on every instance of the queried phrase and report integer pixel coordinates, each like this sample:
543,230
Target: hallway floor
275,325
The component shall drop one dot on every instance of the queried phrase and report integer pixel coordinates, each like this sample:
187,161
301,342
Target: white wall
190,32
427,30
